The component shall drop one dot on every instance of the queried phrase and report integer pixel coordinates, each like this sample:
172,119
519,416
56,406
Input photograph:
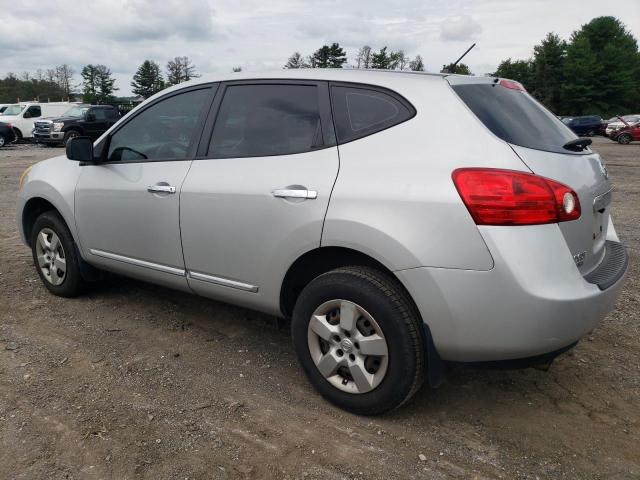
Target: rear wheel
624,138
55,256
358,338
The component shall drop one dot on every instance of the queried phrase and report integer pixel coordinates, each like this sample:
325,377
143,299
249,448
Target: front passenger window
164,131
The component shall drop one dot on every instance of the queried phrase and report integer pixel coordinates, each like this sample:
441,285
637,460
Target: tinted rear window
516,117
359,112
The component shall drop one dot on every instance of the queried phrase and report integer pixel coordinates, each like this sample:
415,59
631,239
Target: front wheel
70,135
357,336
3,141
624,139
55,256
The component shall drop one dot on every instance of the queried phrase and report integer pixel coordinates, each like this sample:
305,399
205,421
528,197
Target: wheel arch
33,208
74,128
318,261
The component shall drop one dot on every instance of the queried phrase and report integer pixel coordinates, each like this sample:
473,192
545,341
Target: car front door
256,196
127,205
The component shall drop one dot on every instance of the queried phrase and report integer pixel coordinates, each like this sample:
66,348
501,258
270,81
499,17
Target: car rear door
538,138
127,205
256,195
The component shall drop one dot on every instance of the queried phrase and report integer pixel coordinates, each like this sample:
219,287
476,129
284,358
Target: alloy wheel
348,346
51,257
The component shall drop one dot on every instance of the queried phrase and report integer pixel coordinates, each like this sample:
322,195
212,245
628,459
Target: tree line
98,85
595,72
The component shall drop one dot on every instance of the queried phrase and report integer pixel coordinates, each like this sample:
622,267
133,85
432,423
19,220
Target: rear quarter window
361,111
516,117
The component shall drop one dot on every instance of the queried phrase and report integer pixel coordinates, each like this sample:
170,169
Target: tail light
512,84
508,197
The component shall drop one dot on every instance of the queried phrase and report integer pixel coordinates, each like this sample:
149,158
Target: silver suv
402,221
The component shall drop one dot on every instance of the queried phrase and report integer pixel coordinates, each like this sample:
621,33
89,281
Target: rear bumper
534,301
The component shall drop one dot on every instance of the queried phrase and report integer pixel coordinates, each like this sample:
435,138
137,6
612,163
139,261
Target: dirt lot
135,381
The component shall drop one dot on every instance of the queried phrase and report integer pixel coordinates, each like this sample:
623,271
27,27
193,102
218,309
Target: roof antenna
451,68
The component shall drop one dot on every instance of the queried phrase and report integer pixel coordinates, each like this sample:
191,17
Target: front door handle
295,193
161,189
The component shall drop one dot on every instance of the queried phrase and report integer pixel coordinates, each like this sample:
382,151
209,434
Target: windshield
13,110
515,116
76,112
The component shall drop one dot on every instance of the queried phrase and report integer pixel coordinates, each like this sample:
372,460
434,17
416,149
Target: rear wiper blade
578,144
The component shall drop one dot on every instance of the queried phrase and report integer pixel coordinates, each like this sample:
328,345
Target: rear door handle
290,193
161,189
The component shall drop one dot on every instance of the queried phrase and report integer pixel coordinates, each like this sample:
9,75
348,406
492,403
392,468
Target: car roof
369,76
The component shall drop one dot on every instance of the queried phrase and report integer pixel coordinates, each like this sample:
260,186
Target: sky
261,34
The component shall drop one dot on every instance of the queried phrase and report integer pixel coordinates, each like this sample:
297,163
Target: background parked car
584,126
629,133
617,123
79,120
7,134
22,115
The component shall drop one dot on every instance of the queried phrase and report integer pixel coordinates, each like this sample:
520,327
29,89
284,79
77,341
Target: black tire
624,139
70,135
3,141
73,284
380,295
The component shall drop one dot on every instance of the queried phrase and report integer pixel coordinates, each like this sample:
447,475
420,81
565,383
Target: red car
629,133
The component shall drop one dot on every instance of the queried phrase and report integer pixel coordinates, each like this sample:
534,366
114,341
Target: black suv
588,125
80,120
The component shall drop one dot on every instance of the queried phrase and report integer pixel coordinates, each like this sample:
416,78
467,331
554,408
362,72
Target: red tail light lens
508,197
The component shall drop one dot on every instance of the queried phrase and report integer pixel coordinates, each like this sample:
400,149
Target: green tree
581,73
519,70
460,69
548,71
329,56
147,80
381,60
615,89
417,65
98,84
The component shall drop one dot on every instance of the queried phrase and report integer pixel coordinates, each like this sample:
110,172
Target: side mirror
90,117
80,149
26,115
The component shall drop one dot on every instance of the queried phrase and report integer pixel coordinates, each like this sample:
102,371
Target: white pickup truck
22,115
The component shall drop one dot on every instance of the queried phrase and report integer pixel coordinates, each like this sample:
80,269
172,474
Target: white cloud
460,28
256,34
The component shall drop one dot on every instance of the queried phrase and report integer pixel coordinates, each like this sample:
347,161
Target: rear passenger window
359,112
263,120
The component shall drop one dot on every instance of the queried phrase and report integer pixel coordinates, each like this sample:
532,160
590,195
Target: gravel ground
136,381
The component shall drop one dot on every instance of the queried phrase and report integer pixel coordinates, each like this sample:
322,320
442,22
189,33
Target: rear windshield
515,117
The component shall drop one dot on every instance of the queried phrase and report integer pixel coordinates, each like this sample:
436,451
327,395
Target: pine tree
329,56
98,84
296,61
581,66
548,71
615,89
147,80
417,65
381,60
